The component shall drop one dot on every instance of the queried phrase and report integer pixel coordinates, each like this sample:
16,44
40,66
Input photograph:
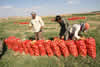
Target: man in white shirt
37,25
77,29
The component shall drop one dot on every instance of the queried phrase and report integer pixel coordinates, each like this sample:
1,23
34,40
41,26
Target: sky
46,7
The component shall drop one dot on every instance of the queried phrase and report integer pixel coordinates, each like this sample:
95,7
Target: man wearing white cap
37,25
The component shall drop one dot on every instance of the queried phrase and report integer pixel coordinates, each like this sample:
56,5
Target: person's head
86,27
33,15
58,18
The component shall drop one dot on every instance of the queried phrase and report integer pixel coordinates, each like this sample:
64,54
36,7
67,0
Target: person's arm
41,22
76,34
77,29
30,25
66,23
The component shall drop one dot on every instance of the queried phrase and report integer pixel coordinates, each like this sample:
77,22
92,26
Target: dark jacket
64,28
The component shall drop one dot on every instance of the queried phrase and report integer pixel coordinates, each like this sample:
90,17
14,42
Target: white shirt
75,29
36,24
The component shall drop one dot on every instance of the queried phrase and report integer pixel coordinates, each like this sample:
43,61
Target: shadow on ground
32,38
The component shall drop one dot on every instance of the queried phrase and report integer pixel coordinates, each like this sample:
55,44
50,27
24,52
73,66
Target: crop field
51,29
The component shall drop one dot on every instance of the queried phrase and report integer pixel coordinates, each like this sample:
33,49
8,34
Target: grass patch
20,31
83,14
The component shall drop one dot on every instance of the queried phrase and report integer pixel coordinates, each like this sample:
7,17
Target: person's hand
62,37
41,27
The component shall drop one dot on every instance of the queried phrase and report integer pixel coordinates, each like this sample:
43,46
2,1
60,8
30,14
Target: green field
51,29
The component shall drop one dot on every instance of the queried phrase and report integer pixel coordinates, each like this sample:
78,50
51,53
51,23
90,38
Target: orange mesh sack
56,49
91,47
41,47
48,47
63,48
72,47
35,48
81,47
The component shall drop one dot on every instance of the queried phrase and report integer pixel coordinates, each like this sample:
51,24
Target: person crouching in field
1,49
64,34
77,29
37,25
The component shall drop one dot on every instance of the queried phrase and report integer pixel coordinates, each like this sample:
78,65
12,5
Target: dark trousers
1,47
64,33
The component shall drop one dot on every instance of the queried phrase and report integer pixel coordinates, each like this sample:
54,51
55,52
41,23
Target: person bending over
76,29
64,34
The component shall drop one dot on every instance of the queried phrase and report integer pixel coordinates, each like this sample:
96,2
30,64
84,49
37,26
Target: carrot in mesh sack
72,47
55,48
47,44
20,45
41,47
28,45
91,47
81,47
13,43
9,41
63,48
24,46
15,46
35,48
57,40
31,51
12,37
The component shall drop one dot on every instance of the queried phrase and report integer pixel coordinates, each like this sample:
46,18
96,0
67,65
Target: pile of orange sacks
55,47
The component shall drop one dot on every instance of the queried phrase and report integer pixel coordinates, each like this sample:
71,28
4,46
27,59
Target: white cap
33,12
